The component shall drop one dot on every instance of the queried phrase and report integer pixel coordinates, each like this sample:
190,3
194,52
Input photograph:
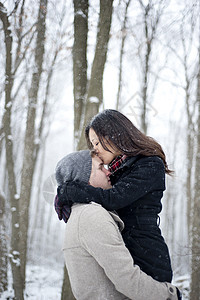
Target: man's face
100,177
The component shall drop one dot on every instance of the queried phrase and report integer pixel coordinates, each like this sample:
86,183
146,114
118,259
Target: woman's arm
143,178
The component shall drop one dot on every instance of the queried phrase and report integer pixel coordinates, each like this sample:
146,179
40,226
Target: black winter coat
136,194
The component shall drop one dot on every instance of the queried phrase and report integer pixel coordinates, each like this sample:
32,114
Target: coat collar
130,160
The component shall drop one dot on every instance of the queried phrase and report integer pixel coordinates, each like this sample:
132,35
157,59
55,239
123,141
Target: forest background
62,62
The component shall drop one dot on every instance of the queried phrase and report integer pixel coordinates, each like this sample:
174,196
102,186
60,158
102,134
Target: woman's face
103,154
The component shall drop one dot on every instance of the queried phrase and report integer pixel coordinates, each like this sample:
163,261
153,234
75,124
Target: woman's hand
62,204
68,193
63,211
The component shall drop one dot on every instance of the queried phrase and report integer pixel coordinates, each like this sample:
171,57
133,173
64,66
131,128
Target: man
99,265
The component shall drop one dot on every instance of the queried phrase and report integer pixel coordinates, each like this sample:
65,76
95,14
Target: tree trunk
150,28
80,89
195,286
189,159
66,288
79,62
145,70
145,82
95,89
3,248
29,143
14,255
190,139
84,111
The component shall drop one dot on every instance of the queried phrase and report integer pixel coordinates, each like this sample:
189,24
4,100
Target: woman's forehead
92,135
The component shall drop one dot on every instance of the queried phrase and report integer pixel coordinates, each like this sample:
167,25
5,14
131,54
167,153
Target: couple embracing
113,246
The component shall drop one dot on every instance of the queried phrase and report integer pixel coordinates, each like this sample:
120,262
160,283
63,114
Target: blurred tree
151,13
186,44
28,47
88,95
195,276
3,247
189,38
15,262
94,96
123,39
66,288
79,89
79,63
141,30
29,156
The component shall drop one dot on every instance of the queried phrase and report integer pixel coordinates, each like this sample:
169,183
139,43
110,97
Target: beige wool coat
99,265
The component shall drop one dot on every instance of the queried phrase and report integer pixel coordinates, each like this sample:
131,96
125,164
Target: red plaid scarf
116,163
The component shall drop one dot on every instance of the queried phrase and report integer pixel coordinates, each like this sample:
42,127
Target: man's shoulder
90,209
85,218
92,214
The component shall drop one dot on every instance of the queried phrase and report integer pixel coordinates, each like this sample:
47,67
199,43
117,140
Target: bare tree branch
15,8
124,34
20,60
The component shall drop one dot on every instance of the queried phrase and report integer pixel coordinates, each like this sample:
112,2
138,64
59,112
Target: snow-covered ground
45,283
183,283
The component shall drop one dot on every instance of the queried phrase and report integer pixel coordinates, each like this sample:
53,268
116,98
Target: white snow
80,13
183,283
9,104
10,137
16,261
42,283
37,141
94,100
45,283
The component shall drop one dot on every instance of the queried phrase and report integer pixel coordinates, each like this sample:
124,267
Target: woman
137,164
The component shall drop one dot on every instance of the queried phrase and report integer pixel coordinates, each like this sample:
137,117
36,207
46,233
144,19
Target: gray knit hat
74,166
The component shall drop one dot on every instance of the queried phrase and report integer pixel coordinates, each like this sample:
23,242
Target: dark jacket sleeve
143,178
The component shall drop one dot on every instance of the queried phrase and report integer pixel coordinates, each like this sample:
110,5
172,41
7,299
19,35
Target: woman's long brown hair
113,127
